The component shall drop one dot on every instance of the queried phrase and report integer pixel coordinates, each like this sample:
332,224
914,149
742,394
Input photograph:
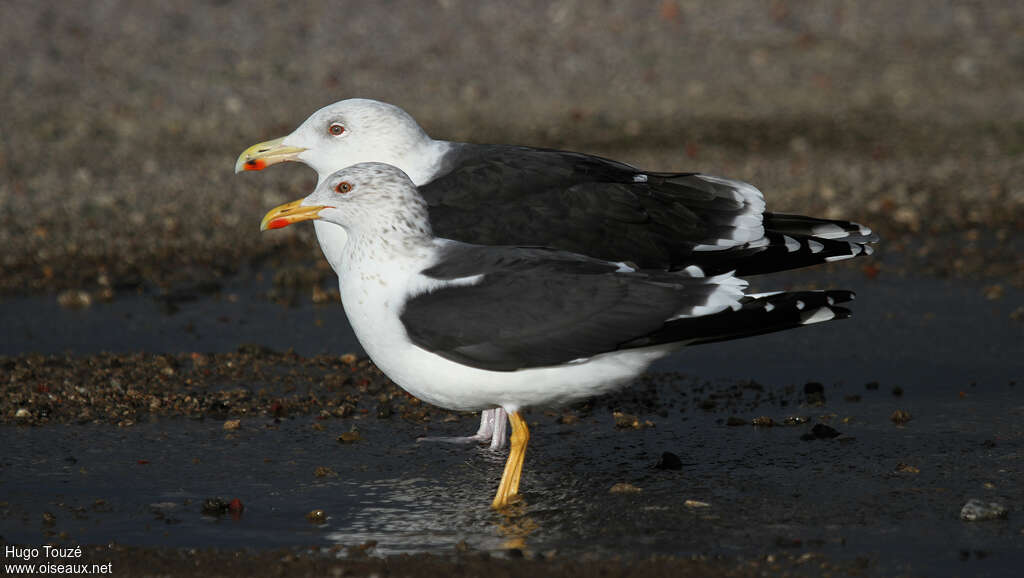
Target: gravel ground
122,121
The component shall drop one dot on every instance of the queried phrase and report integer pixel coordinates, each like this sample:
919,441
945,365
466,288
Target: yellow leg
509,485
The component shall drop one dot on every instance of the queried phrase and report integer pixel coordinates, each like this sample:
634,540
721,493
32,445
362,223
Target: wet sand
143,314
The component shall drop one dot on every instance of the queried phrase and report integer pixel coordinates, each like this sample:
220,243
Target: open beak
288,213
261,155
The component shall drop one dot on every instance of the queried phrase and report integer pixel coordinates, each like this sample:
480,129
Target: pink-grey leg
493,431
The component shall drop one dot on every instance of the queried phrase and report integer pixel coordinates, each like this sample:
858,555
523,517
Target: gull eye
344,187
336,129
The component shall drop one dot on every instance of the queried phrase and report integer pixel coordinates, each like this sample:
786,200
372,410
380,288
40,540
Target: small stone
316,516
820,431
993,292
624,488
1017,314
49,519
977,510
795,420
214,506
568,419
907,469
349,359
696,504
350,437
763,421
625,420
232,424
814,393
323,472
669,461
74,299
22,413
344,410
900,417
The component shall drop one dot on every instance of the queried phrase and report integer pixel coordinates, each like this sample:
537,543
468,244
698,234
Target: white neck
419,161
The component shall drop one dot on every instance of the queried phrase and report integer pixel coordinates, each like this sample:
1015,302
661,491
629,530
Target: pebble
669,461
74,299
232,424
22,413
900,416
624,488
316,516
977,510
814,393
214,506
696,504
627,421
323,472
907,469
820,431
350,437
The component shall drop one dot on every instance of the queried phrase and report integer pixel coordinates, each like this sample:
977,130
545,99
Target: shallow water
956,356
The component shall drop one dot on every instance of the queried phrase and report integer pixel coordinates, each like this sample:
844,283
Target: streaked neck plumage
420,163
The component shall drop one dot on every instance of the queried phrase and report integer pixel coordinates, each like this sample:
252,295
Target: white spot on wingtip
868,250
791,243
800,305
837,258
815,246
694,271
640,178
768,307
624,268
829,231
766,294
819,315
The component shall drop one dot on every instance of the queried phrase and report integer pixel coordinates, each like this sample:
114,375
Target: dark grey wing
535,308
508,195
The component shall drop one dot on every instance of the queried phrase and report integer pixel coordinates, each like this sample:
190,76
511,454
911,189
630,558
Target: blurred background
122,120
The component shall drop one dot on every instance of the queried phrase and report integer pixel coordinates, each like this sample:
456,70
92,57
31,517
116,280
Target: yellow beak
288,213
261,155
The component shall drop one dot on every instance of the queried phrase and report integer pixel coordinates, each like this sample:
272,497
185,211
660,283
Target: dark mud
128,447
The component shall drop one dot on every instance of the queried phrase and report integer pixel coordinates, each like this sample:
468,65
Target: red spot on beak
279,223
255,165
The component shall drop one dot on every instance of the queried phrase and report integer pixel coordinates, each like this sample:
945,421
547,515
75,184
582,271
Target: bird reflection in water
516,526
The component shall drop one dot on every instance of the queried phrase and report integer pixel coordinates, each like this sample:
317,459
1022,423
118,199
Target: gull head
367,196
339,135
